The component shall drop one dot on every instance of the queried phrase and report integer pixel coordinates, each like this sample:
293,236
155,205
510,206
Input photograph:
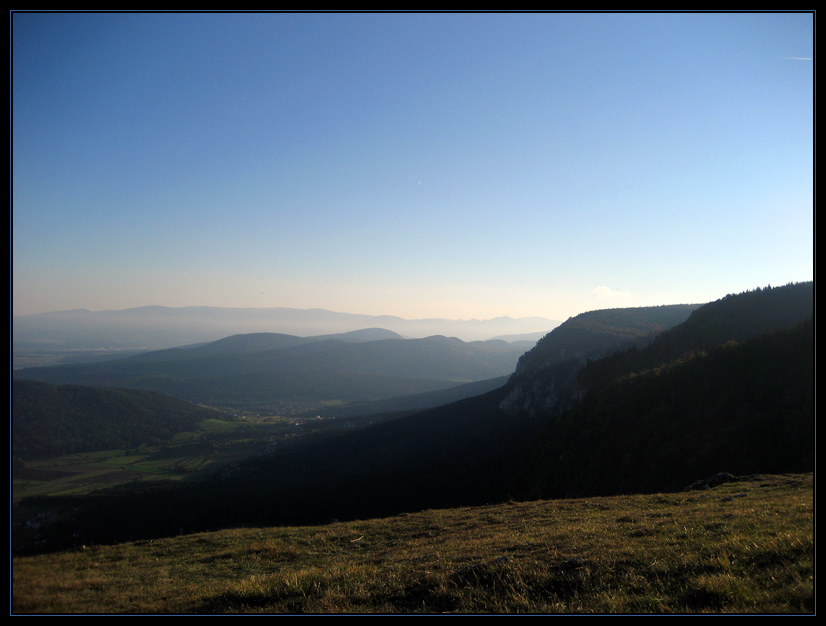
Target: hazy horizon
229,308
456,166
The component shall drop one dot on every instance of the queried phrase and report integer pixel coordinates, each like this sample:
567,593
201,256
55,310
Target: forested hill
279,374
50,420
731,389
594,334
741,408
735,318
545,377
616,342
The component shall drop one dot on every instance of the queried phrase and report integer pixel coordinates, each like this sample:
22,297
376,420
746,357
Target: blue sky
420,165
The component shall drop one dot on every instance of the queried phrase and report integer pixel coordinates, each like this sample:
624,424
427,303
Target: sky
465,166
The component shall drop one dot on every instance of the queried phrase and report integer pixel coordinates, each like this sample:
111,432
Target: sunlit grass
745,547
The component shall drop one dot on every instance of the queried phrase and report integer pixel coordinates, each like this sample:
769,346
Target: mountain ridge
278,371
162,327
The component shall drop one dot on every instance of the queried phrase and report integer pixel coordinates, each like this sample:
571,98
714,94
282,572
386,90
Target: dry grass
744,547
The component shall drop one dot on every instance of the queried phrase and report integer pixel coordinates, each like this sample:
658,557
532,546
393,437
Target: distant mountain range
154,327
286,374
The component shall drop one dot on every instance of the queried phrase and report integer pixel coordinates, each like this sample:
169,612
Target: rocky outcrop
543,392
545,380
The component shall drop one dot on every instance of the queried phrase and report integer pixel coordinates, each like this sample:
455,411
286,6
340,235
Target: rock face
544,392
545,380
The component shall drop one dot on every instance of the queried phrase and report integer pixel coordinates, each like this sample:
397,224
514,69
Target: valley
192,456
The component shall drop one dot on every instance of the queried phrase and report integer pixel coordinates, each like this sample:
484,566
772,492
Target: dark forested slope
50,420
545,377
741,408
731,389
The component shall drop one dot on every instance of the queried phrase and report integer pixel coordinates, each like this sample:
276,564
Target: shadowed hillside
740,408
50,420
545,377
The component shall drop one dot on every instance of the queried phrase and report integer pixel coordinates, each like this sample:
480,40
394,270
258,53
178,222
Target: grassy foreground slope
741,547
